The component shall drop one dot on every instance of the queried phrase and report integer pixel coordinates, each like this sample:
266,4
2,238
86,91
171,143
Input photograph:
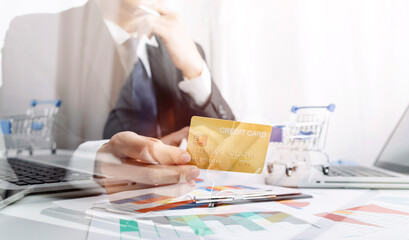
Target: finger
141,25
113,186
164,11
153,175
162,175
144,17
144,10
161,29
164,22
174,190
131,145
213,140
174,139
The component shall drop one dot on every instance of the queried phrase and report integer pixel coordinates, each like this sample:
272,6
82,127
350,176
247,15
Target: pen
216,200
149,10
236,198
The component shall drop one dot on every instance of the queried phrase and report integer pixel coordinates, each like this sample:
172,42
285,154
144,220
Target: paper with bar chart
199,226
144,202
368,218
344,213
160,216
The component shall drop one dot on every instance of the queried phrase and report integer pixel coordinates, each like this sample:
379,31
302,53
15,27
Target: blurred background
267,56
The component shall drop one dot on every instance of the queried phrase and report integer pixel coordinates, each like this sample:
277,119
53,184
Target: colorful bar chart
198,180
155,202
370,217
142,199
222,188
377,209
204,224
295,204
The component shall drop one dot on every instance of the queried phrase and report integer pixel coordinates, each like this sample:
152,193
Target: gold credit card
225,145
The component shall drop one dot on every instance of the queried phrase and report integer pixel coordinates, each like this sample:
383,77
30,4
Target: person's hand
143,162
174,139
128,15
173,32
180,45
140,24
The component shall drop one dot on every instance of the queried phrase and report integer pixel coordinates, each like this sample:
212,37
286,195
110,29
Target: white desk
27,218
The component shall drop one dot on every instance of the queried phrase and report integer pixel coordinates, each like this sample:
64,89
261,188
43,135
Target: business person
77,56
74,56
169,83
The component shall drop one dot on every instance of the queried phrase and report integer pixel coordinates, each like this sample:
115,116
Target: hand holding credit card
225,145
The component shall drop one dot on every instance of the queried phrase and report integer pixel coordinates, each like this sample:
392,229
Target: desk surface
29,218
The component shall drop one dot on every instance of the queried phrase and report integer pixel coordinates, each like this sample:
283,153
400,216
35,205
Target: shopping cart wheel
325,170
270,168
289,171
53,148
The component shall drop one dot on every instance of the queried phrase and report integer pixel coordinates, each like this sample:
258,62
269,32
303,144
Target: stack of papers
352,214
148,200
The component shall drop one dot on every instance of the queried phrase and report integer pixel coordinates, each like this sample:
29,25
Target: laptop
20,176
390,170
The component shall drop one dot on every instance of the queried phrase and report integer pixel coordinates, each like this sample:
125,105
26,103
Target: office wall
269,55
11,9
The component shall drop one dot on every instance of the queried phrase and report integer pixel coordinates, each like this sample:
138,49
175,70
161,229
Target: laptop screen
395,154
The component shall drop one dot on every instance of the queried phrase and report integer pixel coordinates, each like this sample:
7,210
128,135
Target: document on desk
361,214
81,204
159,200
332,213
367,213
283,219
231,225
156,216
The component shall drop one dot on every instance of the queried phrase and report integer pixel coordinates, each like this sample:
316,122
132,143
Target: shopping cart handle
5,127
56,103
37,126
330,108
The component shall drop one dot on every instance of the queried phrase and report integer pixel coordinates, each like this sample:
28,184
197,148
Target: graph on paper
368,218
227,188
152,202
295,203
191,226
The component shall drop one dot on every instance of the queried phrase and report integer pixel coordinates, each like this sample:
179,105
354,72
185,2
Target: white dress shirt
129,49
199,88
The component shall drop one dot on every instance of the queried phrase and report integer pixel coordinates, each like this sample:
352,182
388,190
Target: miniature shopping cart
304,134
32,130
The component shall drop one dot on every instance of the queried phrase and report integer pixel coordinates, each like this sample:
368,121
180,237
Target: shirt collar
120,35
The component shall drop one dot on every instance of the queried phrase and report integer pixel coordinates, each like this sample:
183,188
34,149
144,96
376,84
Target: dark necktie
143,94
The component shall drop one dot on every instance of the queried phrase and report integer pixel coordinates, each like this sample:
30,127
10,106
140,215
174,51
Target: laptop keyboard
22,172
355,171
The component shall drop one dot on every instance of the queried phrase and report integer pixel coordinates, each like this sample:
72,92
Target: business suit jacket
175,108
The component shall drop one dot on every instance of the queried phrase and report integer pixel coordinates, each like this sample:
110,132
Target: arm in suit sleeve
215,106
